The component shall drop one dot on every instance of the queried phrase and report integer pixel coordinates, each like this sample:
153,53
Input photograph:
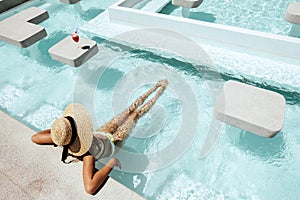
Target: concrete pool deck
30,171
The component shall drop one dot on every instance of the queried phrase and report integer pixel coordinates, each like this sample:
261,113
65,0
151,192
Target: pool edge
45,175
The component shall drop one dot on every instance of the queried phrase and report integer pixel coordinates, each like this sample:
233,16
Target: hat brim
84,127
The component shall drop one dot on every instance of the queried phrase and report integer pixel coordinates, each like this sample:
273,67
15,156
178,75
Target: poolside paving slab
21,29
30,171
71,53
251,108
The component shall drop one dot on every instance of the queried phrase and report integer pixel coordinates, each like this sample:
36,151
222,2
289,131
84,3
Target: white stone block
21,29
187,3
293,13
71,53
251,108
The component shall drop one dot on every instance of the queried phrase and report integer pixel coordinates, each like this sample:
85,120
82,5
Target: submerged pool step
102,24
21,29
251,108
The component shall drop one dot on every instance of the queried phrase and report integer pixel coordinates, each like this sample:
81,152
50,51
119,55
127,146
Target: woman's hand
163,82
117,163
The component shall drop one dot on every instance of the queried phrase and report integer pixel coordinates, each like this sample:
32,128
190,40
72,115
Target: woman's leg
141,111
115,122
125,128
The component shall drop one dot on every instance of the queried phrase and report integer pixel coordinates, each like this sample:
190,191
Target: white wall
198,30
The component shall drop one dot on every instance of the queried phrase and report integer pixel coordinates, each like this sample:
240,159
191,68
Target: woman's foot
163,83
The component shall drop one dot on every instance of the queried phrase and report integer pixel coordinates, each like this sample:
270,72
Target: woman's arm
42,137
91,179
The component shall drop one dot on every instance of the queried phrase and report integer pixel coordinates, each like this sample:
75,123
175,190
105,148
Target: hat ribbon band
64,154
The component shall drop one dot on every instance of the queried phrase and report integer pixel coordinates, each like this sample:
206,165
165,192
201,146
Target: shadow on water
202,16
271,150
91,13
39,52
45,44
109,78
98,39
168,9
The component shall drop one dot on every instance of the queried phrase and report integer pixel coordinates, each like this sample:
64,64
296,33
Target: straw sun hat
74,130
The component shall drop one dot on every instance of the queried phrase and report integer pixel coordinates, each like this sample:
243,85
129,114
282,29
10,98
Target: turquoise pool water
259,15
242,165
35,89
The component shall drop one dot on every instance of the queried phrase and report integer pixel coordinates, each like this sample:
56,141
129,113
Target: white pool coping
119,19
30,171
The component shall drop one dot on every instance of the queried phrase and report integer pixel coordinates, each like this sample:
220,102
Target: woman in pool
74,131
